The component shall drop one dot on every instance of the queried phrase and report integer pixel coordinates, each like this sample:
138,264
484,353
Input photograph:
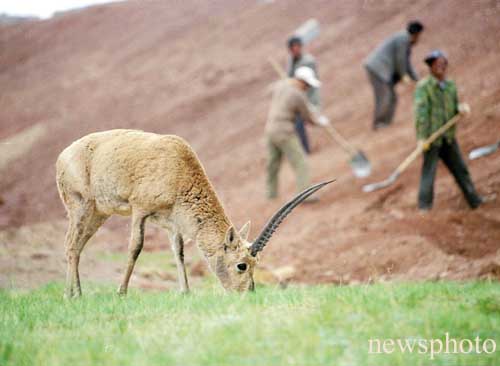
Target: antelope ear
245,231
230,237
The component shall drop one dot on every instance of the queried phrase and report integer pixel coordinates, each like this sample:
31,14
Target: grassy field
322,325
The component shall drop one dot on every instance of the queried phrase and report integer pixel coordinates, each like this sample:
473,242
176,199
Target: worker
289,100
388,65
298,59
436,102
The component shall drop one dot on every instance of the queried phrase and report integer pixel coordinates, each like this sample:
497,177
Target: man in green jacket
436,102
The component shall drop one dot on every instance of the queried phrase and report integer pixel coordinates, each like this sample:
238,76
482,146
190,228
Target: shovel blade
483,151
367,188
360,165
308,31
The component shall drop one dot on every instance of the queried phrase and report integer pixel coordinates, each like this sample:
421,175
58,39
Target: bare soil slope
199,69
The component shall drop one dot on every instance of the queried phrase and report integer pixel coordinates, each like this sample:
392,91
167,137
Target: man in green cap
436,102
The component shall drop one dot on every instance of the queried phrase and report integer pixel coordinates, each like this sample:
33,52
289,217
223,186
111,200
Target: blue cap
431,57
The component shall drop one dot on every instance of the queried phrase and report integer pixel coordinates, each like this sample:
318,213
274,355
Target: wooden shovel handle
443,129
341,140
415,153
277,67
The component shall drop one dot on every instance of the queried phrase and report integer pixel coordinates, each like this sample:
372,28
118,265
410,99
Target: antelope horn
280,215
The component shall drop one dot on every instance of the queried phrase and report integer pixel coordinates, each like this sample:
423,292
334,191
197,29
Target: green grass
321,325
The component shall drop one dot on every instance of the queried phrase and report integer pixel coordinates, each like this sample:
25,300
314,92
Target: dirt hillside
200,70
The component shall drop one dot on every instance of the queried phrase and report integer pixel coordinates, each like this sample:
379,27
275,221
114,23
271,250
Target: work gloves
323,121
407,80
464,109
425,146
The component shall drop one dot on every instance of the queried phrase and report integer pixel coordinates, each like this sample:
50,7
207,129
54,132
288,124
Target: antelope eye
242,267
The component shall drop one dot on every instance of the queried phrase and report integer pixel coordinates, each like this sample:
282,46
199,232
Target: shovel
308,31
360,164
412,157
483,151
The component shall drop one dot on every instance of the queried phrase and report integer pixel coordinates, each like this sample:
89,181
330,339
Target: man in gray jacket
298,59
386,66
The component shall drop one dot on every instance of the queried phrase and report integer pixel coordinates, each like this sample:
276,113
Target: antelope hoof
122,291
72,295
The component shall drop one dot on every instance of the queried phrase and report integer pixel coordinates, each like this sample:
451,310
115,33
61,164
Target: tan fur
155,178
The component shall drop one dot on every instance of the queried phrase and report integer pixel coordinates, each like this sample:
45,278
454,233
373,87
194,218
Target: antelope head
234,267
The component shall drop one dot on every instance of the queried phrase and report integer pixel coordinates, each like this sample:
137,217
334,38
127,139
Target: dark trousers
385,100
452,158
300,128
